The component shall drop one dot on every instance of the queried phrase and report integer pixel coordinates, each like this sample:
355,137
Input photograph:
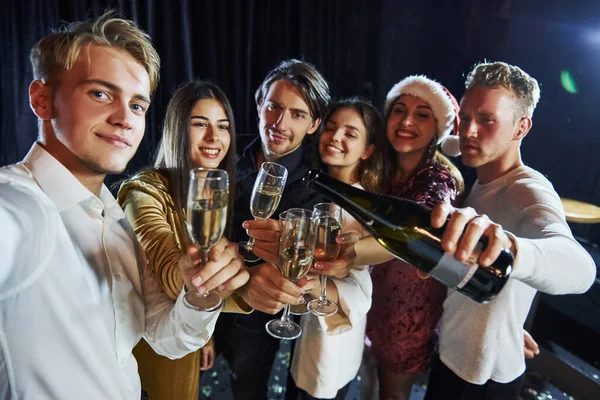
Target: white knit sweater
485,341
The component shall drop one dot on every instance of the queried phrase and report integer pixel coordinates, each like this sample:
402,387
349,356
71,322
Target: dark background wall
362,47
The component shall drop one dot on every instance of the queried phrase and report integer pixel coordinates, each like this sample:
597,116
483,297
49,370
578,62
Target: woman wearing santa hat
420,114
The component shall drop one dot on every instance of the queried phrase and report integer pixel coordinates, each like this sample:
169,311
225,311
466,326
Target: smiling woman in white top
329,352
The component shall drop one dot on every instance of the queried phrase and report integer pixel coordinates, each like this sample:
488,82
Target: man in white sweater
481,345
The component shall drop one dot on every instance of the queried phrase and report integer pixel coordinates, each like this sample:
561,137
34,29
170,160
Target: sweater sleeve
146,214
548,258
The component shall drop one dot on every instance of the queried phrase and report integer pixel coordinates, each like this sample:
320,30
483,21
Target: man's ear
40,100
523,127
314,126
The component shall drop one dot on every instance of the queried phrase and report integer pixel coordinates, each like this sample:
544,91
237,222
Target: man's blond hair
492,75
58,51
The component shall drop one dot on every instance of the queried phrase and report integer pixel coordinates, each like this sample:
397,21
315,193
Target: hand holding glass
328,218
267,191
208,194
295,259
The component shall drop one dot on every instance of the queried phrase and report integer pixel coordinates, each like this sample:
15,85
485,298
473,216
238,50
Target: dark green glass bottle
403,228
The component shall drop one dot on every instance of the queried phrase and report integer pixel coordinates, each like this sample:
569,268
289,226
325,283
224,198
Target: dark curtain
362,47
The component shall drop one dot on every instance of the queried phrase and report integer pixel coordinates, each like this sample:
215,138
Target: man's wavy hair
58,51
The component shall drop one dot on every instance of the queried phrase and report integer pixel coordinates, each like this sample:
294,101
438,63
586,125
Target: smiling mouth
332,149
212,153
405,134
115,140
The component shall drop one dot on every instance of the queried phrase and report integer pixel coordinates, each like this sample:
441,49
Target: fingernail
485,261
450,246
196,281
201,289
245,225
221,288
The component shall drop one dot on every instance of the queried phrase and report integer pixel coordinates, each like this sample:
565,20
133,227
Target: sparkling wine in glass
296,309
295,259
266,194
206,219
328,220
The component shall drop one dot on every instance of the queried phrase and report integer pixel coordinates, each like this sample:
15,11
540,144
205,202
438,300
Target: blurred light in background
568,83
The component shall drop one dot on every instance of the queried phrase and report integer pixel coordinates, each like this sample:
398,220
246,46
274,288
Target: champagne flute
267,191
296,309
208,195
328,218
295,258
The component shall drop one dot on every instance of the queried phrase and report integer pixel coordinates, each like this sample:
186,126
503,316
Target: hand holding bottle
464,229
405,229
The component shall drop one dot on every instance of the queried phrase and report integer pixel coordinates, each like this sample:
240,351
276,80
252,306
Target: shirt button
118,277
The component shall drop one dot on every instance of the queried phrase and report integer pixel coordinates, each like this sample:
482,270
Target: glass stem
285,317
250,244
204,255
323,279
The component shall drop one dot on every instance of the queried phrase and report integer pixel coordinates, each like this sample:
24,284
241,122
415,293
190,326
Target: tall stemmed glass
267,191
206,219
328,218
295,258
296,309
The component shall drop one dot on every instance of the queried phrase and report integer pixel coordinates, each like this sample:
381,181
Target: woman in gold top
199,131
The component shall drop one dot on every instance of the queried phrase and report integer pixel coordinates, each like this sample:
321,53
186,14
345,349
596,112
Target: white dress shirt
329,352
76,294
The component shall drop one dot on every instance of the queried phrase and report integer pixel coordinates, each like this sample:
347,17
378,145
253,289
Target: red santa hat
443,105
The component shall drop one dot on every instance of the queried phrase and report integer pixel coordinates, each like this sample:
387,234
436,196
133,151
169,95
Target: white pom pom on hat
443,105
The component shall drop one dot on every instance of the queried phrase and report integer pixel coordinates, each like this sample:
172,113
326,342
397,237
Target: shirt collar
61,186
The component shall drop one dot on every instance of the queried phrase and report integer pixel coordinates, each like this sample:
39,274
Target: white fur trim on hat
430,91
451,146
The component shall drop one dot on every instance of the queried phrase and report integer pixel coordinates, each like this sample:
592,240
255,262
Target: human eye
99,94
139,108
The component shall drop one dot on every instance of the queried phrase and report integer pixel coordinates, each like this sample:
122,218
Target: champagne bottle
403,228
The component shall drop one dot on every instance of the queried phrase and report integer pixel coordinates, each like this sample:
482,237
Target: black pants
250,352
445,384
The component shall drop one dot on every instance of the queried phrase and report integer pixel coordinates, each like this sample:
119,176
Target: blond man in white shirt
75,292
